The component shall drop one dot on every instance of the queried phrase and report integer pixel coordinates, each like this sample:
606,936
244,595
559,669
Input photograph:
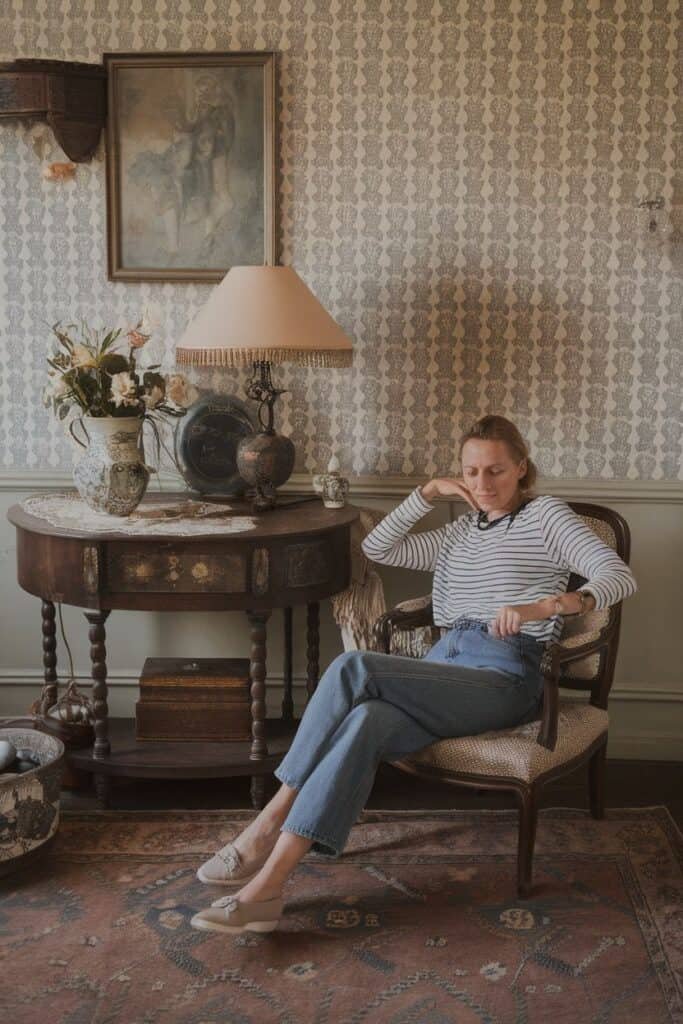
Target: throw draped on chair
358,607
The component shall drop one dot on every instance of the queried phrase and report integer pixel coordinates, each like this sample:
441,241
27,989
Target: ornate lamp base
265,461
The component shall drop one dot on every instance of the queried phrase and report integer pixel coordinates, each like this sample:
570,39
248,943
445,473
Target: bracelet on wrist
582,609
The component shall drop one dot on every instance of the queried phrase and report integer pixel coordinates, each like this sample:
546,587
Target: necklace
484,524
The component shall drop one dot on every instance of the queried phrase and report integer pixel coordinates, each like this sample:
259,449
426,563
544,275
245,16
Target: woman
500,588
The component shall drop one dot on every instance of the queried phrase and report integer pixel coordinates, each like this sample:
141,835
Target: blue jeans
371,707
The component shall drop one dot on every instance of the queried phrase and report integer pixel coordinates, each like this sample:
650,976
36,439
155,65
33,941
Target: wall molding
124,678
662,742
652,747
579,489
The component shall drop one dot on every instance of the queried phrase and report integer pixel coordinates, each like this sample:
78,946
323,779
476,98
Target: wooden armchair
569,732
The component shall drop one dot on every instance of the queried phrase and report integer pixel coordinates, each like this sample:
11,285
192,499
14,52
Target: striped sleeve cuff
621,584
416,504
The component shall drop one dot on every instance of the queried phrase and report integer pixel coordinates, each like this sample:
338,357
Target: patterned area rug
418,923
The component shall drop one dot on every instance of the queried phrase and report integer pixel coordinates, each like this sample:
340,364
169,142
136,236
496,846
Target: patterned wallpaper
458,185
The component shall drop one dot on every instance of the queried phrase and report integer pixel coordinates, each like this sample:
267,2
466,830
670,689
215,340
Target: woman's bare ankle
257,840
282,801
257,891
260,836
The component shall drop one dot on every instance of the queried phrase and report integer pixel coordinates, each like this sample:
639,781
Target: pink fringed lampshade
263,314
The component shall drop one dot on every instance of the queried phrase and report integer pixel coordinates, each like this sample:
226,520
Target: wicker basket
29,803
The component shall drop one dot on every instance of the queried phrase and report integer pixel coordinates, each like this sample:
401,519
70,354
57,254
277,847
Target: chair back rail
613,529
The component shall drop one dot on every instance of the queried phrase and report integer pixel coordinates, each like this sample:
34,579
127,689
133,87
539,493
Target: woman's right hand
448,487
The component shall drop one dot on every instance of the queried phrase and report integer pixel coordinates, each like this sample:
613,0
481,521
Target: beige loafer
226,868
230,915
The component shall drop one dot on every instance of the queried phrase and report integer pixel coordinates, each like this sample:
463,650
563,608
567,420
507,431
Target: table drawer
176,569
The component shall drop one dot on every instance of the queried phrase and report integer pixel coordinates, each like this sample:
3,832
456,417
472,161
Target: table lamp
263,315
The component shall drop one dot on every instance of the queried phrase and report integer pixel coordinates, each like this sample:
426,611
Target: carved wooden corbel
70,96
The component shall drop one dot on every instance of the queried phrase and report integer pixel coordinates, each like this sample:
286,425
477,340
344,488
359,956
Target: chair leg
596,781
528,814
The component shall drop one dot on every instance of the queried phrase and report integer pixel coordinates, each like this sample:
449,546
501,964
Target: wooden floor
629,784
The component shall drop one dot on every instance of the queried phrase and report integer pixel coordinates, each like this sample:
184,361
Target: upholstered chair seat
515,753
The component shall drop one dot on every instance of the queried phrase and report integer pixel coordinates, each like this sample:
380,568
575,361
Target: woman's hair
498,428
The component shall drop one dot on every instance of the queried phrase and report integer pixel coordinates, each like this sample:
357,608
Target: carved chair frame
556,660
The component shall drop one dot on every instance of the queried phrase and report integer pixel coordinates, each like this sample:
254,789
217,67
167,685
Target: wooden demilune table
295,555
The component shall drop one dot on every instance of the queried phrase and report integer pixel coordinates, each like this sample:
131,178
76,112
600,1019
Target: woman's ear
523,467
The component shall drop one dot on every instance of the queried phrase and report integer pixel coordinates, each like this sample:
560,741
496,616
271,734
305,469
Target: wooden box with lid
194,699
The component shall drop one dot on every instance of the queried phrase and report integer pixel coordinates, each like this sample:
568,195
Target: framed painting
190,164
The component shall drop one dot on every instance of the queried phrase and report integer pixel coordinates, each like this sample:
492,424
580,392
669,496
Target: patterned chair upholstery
569,732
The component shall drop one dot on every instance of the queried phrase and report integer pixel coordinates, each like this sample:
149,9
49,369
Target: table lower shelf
165,759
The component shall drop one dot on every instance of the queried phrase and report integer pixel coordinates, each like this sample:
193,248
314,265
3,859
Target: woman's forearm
562,604
391,544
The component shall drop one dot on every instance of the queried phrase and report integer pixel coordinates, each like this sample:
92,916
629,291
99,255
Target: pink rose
136,339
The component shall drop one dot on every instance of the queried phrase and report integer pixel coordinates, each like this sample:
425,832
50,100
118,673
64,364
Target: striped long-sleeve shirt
476,571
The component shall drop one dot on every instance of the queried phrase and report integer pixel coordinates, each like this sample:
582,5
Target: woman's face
491,473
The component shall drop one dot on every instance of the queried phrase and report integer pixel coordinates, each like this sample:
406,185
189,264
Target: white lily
82,357
123,389
153,397
180,391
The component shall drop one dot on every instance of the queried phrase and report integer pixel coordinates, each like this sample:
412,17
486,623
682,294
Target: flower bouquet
96,381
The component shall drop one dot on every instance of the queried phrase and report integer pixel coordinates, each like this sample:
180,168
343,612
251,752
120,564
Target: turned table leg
257,671
98,671
102,789
49,694
287,702
312,647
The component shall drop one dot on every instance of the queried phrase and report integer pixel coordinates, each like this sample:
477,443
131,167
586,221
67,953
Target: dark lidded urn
265,461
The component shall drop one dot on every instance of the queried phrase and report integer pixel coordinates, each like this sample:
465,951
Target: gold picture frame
191,182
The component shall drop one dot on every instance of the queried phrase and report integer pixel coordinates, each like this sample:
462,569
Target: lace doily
158,516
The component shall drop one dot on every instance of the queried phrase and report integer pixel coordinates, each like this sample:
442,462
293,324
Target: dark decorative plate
206,440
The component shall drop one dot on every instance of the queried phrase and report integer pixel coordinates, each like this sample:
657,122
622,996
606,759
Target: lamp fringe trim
236,357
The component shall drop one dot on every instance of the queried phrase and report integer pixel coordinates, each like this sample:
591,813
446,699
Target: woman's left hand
507,621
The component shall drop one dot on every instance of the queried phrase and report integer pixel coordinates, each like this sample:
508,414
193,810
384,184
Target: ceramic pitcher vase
111,475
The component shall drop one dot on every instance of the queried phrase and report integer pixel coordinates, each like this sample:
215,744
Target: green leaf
88,385
64,340
110,339
113,363
125,410
151,379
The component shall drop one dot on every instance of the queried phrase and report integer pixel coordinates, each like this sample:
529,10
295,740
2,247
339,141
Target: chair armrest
399,619
550,670
569,654
553,659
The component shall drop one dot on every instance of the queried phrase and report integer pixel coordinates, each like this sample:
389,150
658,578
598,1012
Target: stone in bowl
29,802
